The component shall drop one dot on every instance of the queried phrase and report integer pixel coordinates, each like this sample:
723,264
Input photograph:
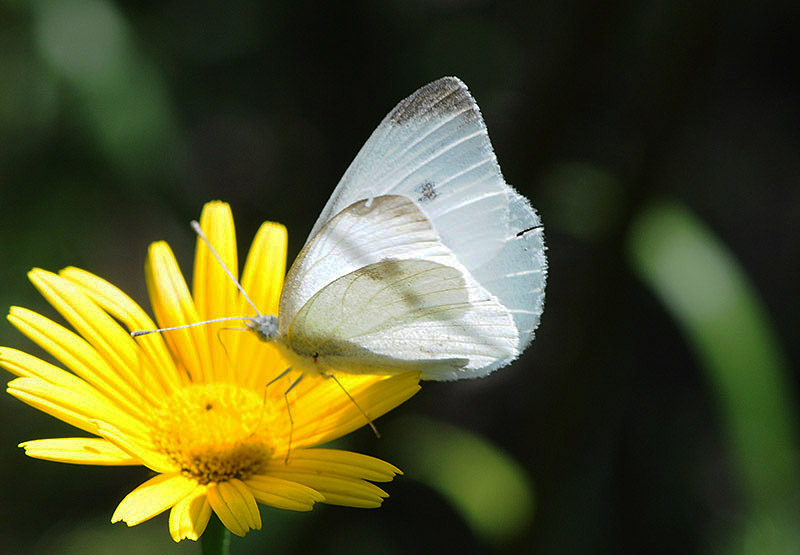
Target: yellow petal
77,355
243,493
78,450
355,501
257,362
189,517
152,498
113,344
173,306
283,494
324,412
334,462
215,293
28,366
124,309
265,267
138,448
337,490
73,407
235,506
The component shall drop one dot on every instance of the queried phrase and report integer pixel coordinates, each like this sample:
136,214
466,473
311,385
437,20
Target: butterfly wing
375,290
434,149
401,315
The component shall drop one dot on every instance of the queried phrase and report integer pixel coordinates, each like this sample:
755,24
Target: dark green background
118,120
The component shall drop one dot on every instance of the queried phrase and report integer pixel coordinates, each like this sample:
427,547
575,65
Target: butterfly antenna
184,326
369,420
197,229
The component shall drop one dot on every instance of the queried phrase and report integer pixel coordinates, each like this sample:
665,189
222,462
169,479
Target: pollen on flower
214,432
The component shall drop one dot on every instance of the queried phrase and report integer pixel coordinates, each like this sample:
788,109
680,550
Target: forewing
400,315
433,148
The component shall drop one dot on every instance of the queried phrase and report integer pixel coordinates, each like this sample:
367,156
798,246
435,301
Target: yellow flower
195,405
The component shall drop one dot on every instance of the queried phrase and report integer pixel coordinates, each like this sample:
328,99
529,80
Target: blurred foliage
706,292
490,490
656,411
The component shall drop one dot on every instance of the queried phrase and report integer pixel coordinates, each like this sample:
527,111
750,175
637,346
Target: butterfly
423,259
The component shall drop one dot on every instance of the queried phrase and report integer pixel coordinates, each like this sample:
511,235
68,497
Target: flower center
214,432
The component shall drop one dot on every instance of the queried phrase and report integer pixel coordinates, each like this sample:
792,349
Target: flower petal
173,306
77,355
215,293
22,364
338,490
189,516
283,494
124,309
137,448
335,462
338,475
152,498
235,506
245,495
78,408
323,412
78,450
115,346
265,267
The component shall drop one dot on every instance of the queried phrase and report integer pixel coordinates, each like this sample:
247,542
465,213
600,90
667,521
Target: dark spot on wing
427,192
444,96
524,231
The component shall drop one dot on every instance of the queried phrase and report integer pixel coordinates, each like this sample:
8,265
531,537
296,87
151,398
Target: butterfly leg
364,414
285,400
279,376
289,412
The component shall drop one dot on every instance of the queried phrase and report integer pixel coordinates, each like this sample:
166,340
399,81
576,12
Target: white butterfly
423,259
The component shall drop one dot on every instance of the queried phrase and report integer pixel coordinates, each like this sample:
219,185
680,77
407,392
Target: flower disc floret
214,432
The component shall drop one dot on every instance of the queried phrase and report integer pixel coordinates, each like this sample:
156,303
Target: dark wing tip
445,96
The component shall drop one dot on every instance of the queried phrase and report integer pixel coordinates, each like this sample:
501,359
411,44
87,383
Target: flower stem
216,540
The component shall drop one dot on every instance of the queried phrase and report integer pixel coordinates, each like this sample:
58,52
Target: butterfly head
265,326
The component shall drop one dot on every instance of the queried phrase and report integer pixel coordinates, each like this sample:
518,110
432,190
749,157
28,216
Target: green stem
216,540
